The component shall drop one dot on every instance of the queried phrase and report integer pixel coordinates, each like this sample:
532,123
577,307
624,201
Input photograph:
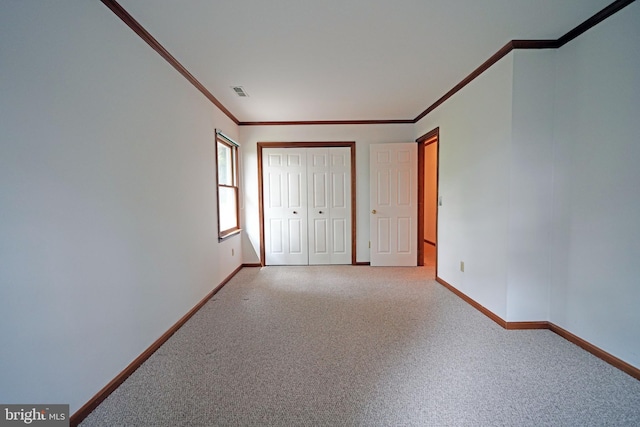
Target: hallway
429,255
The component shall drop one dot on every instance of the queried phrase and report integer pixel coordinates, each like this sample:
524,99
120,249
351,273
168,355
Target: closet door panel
319,199
340,204
285,206
307,205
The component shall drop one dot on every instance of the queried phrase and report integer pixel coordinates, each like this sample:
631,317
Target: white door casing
285,206
394,204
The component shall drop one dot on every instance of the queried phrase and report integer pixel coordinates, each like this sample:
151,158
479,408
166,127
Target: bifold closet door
329,205
285,206
307,205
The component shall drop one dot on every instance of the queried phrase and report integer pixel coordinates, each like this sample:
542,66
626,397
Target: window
227,165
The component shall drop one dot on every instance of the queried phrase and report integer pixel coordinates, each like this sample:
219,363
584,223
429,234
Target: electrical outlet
462,266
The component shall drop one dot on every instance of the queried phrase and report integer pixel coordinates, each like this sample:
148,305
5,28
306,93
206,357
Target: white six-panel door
307,205
394,204
329,205
285,206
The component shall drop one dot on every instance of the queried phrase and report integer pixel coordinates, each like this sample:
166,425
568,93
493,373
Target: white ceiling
303,60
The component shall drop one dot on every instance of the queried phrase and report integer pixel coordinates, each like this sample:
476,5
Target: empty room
243,212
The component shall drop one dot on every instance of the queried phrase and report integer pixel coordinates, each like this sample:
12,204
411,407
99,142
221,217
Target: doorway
428,166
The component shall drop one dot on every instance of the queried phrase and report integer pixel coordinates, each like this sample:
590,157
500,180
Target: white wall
363,135
475,137
595,291
107,199
539,176
530,183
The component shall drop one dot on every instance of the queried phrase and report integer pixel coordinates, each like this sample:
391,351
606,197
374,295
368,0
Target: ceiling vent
239,90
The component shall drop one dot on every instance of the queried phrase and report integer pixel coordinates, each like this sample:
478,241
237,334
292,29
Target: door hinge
369,244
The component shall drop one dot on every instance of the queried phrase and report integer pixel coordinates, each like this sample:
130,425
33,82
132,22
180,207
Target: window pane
228,209
225,165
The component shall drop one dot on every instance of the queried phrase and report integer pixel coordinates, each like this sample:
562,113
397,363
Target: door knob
295,212
319,212
374,211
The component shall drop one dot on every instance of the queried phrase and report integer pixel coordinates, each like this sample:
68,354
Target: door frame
308,144
428,138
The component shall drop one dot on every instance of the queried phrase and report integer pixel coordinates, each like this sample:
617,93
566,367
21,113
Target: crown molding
594,20
328,122
155,45
605,13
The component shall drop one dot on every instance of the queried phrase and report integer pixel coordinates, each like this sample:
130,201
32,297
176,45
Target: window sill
229,234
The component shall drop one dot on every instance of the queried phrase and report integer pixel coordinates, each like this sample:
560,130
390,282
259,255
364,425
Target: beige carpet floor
363,346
